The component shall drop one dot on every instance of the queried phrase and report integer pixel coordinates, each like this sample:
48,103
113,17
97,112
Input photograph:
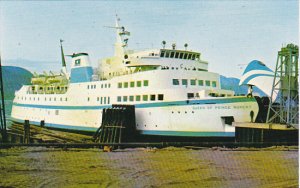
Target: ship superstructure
173,92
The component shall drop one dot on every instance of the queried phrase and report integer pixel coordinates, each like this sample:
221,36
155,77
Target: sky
228,34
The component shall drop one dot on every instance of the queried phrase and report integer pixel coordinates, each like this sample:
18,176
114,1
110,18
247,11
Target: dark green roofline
179,54
79,54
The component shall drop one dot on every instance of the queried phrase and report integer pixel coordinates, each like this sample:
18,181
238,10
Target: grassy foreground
169,167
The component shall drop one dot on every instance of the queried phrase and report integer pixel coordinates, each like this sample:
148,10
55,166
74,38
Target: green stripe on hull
146,105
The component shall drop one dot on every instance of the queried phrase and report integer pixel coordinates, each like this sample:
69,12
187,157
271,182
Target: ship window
214,83
152,97
185,56
94,86
193,57
172,54
66,99
197,57
120,85
184,82
124,98
56,112
131,84
104,100
101,100
98,98
60,99
200,82
193,82
131,98
146,82
45,99
167,53
145,97
38,98
138,98
108,85
180,55
162,53
190,56
176,54
77,62
125,84
160,97
139,83
54,99
207,82
119,98
108,100
175,82
105,85
88,99
190,95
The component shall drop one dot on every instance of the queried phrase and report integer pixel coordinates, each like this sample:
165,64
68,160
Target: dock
265,132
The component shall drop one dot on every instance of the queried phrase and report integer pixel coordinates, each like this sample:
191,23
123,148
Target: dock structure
265,133
285,109
118,125
2,109
282,121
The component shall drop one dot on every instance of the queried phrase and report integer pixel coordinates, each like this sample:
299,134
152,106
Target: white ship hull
195,118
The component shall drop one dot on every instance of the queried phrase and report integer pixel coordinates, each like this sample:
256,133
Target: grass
169,167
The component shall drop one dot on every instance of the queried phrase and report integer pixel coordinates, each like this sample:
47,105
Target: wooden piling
26,137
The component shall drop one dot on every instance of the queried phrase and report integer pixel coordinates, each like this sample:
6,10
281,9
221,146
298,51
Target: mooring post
42,123
26,138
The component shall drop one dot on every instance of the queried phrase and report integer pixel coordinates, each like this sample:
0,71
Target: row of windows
45,99
102,100
94,86
179,55
132,98
194,82
133,84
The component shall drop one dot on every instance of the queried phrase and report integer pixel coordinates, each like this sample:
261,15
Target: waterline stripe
187,133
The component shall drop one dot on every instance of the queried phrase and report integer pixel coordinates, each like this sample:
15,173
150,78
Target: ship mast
122,40
63,61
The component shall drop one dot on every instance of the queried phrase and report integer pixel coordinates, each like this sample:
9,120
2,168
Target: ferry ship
172,90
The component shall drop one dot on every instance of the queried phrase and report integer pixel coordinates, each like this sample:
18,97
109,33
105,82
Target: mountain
32,65
233,84
13,79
